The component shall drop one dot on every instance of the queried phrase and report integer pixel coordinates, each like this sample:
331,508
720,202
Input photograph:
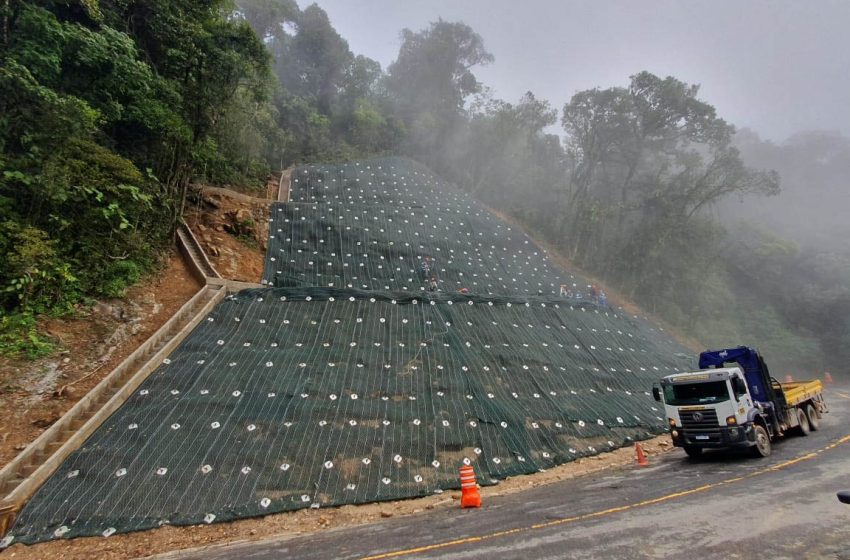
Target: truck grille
706,419
701,430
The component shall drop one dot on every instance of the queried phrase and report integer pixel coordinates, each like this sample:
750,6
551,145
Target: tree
268,17
105,108
431,80
649,159
433,71
507,159
313,61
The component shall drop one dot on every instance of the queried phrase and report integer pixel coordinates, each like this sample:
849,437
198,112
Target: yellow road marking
605,512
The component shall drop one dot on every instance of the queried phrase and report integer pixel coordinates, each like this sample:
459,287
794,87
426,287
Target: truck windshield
696,393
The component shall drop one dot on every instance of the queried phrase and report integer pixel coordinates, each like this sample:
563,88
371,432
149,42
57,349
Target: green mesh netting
287,398
371,226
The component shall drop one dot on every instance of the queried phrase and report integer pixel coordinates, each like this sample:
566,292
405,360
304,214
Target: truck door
743,400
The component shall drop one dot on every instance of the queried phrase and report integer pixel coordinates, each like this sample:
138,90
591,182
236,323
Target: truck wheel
814,421
762,446
803,420
693,452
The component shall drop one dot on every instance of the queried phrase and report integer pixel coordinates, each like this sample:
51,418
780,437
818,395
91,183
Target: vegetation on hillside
108,110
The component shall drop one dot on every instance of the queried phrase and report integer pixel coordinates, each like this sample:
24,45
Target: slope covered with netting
347,382
385,225
284,399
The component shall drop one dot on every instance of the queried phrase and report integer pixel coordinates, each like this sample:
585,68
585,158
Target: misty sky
774,66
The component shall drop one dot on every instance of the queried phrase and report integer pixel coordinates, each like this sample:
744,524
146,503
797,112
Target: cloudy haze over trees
639,177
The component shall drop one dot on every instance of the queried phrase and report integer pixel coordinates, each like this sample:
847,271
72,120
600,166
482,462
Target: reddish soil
233,230
34,394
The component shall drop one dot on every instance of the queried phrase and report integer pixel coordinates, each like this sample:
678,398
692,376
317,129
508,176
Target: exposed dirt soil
309,521
232,228
34,394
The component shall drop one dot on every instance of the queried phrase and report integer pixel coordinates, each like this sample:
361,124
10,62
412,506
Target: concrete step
27,469
11,485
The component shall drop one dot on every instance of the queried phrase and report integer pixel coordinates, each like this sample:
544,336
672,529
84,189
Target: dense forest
108,110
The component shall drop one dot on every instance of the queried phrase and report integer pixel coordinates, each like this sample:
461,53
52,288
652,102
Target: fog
692,156
614,157
814,202
777,67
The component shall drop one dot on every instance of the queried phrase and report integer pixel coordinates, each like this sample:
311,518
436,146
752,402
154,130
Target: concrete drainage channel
34,465
191,250
285,177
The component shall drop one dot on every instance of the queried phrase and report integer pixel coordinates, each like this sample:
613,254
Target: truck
733,402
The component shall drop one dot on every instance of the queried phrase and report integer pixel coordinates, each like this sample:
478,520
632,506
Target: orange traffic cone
640,457
789,379
470,497
827,378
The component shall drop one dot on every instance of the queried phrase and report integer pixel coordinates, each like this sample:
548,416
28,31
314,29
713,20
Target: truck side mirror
656,393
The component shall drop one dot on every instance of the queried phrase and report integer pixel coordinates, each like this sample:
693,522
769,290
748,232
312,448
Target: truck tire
762,446
693,452
804,428
814,419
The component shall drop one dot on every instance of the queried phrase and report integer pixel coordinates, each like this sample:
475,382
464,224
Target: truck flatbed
797,392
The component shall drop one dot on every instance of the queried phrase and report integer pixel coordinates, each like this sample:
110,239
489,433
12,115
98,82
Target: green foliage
370,130
35,278
35,118
809,291
432,73
429,83
312,63
327,104
627,199
108,110
90,94
19,337
118,276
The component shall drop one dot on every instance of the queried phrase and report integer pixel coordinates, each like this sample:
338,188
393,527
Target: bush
119,276
36,278
19,336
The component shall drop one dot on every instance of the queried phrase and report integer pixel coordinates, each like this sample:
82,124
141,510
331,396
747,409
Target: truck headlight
733,433
731,421
672,422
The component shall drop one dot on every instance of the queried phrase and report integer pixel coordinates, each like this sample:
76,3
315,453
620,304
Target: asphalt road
727,505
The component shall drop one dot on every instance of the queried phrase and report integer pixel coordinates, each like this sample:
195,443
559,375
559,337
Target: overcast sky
775,66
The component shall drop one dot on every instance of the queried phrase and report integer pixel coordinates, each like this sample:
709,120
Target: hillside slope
315,395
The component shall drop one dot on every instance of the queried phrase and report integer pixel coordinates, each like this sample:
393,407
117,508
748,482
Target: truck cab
708,409
733,402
